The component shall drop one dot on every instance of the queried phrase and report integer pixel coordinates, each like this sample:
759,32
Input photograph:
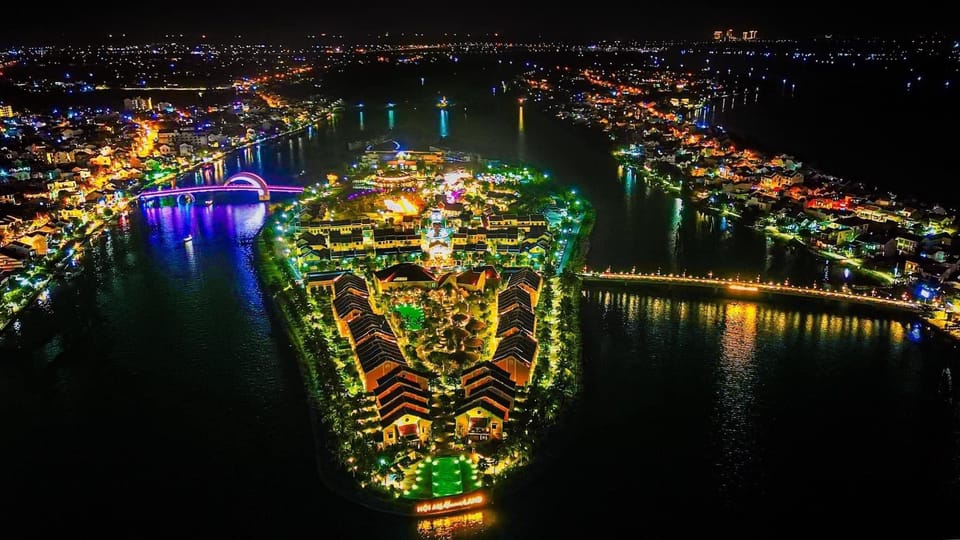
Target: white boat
187,239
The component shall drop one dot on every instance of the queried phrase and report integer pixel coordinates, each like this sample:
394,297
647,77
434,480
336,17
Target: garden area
445,329
441,477
411,316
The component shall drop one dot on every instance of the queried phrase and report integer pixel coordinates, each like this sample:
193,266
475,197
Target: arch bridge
240,182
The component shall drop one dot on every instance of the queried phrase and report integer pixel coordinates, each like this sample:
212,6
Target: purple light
237,182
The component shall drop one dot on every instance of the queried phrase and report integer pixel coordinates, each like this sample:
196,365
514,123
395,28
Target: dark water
861,123
154,388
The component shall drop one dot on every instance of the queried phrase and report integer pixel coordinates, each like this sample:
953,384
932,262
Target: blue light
915,335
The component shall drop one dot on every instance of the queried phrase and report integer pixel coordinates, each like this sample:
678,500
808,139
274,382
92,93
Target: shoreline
128,202
278,304
555,390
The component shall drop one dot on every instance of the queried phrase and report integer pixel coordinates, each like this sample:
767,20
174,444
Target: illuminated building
488,397
401,159
405,275
371,337
394,180
403,403
6,111
137,104
437,238
718,35
517,320
396,241
516,352
749,35
516,355
529,281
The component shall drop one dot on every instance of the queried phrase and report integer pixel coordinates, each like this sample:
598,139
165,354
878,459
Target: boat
366,144
208,202
187,239
443,102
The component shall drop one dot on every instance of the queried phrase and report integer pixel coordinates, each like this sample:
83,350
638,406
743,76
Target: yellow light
745,288
401,206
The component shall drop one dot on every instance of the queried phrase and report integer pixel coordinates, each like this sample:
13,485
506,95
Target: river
154,387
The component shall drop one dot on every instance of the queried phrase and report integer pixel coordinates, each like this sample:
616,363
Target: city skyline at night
492,271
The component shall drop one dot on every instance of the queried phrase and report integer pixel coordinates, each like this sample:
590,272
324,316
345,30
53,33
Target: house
396,238
489,395
858,224
902,243
403,403
367,326
471,280
37,241
516,354
10,264
341,242
348,307
508,236
350,283
323,280
780,180
19,250
408,420
529,281
491,275
405,275
513,297
517,320
376,357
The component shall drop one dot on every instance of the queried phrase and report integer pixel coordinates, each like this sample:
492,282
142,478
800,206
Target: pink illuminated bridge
239,182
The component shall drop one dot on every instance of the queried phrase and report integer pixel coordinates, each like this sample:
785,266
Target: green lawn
442,477
412,316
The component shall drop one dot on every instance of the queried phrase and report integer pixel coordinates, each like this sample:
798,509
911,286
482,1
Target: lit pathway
748,288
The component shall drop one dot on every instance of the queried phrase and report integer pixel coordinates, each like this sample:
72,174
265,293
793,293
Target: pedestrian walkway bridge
746,289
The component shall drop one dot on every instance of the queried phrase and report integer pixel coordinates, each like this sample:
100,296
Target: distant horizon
390,38
679,21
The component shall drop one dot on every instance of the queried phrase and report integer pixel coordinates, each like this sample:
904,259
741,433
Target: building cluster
445,230
402,393
64,173
655,114
459,236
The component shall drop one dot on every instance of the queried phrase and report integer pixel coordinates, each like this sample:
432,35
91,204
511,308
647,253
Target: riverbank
60,267
312,344
118,210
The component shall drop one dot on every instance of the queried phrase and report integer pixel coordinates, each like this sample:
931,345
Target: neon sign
450,504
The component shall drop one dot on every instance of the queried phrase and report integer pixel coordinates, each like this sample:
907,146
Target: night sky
289,22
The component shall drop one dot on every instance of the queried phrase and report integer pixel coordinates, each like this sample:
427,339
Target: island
435,314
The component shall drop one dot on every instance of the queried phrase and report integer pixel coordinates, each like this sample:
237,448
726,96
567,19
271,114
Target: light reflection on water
469,525
766,383
735,396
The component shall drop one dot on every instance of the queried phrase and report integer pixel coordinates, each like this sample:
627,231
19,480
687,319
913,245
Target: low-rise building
489,395
405,275
516,354
403,403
